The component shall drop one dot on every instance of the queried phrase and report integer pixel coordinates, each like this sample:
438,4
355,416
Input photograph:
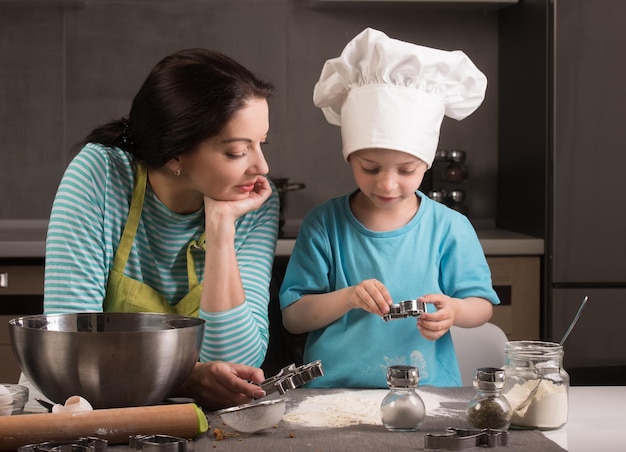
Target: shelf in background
48,3
483,4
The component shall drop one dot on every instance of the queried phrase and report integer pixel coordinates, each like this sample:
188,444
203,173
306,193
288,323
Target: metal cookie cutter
157,443
459,438
404,309
89,444
291,377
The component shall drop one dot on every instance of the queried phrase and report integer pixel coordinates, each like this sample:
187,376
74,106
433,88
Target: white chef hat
386,93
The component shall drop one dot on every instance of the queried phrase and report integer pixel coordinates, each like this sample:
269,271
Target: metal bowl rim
246,406
18,322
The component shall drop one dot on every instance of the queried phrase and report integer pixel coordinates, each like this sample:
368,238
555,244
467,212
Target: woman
170,210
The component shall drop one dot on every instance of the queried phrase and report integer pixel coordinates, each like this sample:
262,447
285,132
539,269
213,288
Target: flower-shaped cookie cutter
404,309
291,377
459,438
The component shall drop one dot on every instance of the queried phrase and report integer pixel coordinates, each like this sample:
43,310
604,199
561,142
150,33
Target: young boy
387,242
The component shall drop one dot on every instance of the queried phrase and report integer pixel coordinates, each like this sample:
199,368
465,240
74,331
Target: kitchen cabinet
561,167
597,348
489,4
517,280
588,225
21,293
41,3
10,369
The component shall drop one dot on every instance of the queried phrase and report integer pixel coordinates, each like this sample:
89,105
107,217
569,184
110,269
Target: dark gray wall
66,67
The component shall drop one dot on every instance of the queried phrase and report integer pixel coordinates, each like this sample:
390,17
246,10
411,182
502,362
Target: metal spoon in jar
571,325
522,406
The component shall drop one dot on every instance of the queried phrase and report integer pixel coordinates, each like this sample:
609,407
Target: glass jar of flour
536,386
402,409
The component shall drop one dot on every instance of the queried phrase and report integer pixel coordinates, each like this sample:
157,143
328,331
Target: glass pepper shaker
402,409
489,408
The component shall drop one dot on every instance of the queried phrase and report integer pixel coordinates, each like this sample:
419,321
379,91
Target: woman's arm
77,253
235,293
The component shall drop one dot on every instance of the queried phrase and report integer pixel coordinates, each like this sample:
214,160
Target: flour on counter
352,407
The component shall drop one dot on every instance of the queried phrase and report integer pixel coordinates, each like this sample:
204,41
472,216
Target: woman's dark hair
187,98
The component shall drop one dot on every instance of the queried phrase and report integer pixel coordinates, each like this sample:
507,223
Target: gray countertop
348,420
26,239
596,418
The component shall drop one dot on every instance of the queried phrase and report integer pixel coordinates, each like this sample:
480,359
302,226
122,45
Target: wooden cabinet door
21,294
517,281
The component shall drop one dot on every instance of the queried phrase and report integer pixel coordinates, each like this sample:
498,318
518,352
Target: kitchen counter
26,239
596,419
23,238
495,242
597,416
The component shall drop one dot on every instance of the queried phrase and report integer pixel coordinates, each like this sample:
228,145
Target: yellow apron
125,294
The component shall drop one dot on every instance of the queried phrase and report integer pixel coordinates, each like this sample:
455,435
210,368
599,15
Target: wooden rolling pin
114,424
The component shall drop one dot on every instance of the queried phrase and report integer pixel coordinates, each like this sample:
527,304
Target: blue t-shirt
438,251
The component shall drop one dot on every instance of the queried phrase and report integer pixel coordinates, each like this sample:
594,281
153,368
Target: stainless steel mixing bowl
111,359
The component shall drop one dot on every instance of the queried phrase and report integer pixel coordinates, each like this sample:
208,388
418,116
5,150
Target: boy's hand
433,325
370,295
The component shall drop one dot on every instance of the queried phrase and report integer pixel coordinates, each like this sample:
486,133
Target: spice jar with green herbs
489,408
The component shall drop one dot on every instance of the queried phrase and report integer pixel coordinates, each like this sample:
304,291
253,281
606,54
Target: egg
73,404
6,401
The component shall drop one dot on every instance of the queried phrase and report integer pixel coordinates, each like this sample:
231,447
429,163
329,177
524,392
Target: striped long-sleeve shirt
87,220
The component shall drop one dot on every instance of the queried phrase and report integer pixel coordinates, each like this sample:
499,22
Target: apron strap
132,222
199,244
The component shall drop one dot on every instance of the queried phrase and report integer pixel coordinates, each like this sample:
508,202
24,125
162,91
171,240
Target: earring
177,172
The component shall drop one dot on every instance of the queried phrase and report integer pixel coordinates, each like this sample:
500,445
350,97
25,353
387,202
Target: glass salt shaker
537,386
402,409
489,408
